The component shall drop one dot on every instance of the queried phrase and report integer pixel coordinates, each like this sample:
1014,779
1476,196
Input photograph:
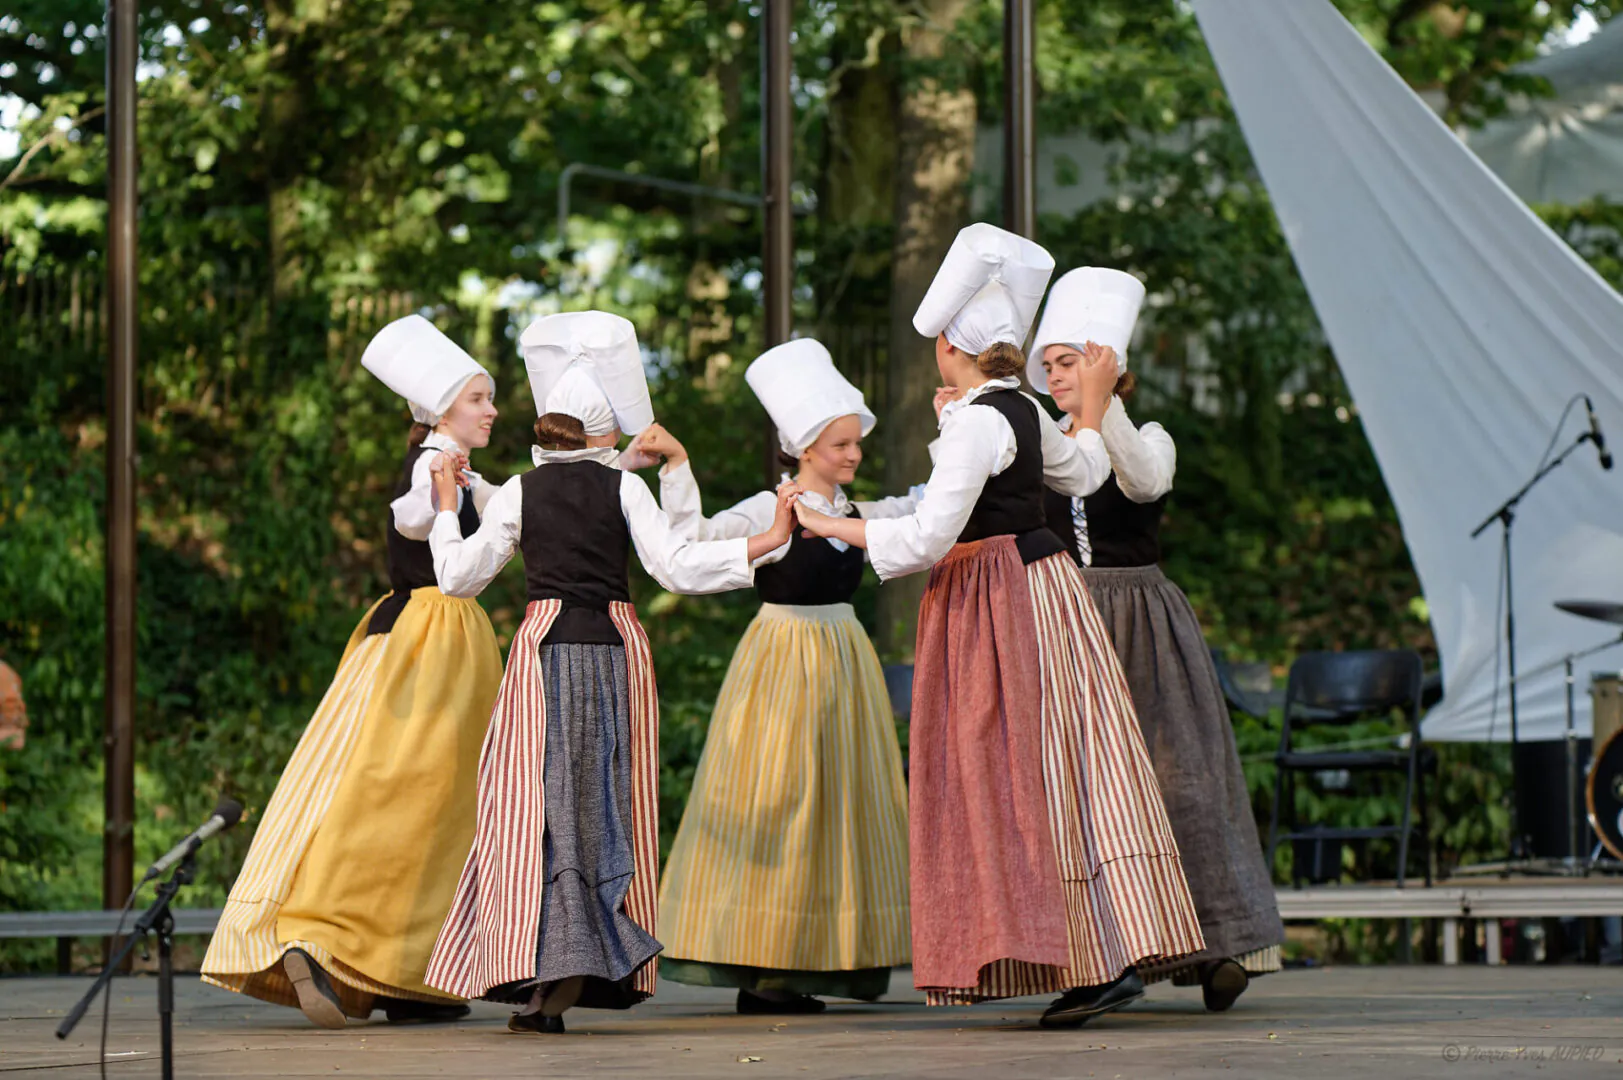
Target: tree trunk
710,326
935,164
281,113
858,189
856,204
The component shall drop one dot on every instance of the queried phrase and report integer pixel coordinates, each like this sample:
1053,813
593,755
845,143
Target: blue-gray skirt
587,843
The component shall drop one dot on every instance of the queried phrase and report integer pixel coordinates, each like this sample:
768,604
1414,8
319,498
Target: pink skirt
1042,858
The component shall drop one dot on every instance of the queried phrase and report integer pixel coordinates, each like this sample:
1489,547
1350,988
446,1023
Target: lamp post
118,748
777,163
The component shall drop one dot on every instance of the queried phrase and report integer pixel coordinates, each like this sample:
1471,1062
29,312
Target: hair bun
1001,360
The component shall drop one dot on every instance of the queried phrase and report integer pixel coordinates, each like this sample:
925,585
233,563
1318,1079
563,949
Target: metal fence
216,337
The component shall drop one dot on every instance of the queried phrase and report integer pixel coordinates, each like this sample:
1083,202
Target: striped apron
489,937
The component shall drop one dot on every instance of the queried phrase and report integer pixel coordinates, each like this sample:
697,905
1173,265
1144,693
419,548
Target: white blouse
1143,458
977,444
464,566
414,511
679,495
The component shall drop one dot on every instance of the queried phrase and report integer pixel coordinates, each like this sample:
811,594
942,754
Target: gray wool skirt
586,846
1190,739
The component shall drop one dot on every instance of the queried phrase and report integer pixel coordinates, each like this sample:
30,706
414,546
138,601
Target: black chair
1431,689
1248,688
1339,689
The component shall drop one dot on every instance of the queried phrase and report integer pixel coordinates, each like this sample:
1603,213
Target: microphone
226,814
1595,436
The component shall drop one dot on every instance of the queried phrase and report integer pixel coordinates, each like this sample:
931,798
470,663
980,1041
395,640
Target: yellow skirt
793,851
358,851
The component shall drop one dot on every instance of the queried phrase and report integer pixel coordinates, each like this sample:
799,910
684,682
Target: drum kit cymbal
1604,787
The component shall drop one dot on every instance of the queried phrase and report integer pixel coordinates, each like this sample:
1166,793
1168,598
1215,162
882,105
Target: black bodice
576,547
813,572
1011,503
411,563
1121,532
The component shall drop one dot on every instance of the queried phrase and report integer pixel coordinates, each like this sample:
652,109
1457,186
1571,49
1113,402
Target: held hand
814,523
783,518
458,465
944,395
782,528
634,458
445,479
654,443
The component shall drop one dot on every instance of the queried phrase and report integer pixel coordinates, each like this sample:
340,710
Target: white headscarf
577,393
1090,303
414,359
599,345
804,393
986,291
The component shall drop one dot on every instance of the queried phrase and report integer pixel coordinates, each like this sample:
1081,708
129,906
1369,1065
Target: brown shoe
1221,984
755,1005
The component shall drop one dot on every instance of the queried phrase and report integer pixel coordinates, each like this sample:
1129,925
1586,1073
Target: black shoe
755,1005
406,1011
317,999
1077,1007
1221,984
536,1024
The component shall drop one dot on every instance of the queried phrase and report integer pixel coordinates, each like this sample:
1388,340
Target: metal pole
1572,776
566,180
1019,117
777,254
118,851
1518,842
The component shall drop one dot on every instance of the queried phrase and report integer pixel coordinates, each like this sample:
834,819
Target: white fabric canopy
1462,326
1567,148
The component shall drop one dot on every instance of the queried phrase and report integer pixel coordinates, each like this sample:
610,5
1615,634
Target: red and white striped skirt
489,937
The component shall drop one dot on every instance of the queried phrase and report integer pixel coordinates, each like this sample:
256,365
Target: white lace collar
436,441
603,455
952,407
839,506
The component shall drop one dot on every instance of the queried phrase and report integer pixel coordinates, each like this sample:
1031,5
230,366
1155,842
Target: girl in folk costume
351,869
556,905
1042,860
1113,534
789,874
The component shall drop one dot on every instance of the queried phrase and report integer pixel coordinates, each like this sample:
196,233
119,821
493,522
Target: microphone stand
157,918
1506,516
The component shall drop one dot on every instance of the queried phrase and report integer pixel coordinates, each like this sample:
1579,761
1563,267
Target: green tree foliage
312,168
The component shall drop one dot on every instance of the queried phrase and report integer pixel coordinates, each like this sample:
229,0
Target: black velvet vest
1120,531
1011,503
812,572
576,547
411,563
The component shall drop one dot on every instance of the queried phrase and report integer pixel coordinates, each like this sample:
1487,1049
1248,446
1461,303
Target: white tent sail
1462,325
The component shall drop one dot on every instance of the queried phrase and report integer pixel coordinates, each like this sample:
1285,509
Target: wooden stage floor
1372,1023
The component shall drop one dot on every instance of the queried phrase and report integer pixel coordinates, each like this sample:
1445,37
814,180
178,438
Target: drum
1606,701
1606,795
